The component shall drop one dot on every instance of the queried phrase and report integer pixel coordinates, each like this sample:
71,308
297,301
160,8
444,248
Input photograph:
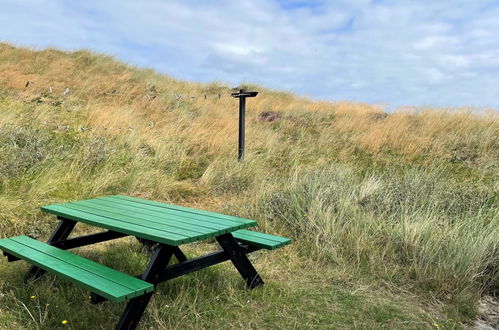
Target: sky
393,53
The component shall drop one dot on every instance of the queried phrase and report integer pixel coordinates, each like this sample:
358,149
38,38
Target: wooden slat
188,234
120,210
265,236
188,210
116,225
200,219
97,278
265,241
159,222
93,267
158,216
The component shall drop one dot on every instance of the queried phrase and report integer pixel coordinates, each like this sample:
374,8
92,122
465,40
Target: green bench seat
95,277
261,240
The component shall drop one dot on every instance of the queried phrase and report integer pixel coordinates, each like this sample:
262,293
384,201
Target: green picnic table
162,226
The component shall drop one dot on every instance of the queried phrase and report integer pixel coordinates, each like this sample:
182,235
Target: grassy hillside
395,217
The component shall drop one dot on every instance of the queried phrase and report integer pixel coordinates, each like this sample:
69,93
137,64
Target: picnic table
165,227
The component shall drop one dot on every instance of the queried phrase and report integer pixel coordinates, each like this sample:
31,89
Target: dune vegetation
394,216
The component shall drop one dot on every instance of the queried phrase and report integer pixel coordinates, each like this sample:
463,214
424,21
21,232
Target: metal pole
242,112
242,95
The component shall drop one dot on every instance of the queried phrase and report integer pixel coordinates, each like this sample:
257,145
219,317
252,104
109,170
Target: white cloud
391,52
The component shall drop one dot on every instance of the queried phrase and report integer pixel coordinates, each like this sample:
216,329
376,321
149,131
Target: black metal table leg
238,257
61,232
136,307
179,254
147,244
150,245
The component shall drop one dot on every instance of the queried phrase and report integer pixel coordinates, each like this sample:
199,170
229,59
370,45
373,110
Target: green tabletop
155,221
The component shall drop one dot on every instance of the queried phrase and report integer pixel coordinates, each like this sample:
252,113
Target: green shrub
21,148
95,152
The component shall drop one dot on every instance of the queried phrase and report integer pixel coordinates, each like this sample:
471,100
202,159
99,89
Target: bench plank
95,277
261,240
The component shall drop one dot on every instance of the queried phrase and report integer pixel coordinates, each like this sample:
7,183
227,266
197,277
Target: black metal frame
239,259
157,270
136,307
242,95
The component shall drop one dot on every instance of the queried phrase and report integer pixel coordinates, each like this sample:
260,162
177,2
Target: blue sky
398,53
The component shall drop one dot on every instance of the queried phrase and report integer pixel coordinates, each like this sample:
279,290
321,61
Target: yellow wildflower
33,297
64,322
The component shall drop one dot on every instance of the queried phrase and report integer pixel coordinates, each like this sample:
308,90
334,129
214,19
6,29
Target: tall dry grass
408,197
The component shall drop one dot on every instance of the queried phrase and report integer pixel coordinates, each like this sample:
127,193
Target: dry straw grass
117,97
408,197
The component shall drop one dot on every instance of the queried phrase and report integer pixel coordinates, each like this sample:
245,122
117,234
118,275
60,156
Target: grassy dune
394,216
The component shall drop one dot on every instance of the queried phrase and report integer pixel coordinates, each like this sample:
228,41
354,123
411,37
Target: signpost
242,95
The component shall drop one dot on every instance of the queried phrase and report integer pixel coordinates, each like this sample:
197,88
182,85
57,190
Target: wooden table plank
203,219
159,222
160,216
187,210
115,225
137,221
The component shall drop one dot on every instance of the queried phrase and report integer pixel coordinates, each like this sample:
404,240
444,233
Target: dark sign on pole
242,95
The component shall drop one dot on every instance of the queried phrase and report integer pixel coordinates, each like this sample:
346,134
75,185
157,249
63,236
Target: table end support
179,255
133,313
240,260
135,308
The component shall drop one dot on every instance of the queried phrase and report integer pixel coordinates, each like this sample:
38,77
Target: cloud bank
441,53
